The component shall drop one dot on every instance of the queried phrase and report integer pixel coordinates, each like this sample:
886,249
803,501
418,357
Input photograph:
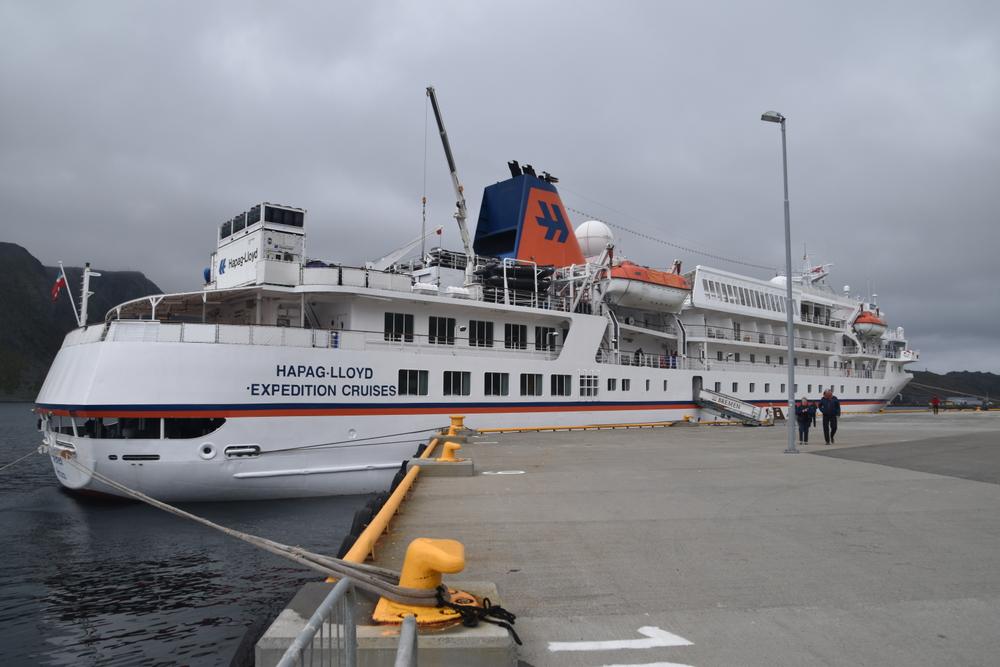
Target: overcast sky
129,131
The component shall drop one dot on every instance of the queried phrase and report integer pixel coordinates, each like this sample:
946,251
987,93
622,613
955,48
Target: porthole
206,451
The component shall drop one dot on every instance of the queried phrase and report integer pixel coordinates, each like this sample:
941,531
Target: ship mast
461,212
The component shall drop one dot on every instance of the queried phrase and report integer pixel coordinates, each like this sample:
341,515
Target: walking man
829,405
935,403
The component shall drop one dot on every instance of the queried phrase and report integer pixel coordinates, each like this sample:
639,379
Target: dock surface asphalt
885,550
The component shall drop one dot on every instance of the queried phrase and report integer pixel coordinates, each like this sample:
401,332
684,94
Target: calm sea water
86,582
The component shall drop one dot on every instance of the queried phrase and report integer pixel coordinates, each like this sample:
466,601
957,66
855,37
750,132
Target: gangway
734,408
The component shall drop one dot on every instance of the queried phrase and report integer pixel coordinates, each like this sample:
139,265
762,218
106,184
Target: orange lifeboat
869,325
634,286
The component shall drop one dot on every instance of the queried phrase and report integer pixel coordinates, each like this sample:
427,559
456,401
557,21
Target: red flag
60,283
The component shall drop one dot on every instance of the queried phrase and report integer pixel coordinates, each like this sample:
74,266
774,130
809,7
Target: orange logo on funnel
546,235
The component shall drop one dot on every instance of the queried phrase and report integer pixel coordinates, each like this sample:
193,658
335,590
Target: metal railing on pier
330,637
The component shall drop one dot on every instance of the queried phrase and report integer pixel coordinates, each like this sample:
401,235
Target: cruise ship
287,376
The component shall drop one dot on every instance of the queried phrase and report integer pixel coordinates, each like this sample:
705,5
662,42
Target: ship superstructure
284,376
287,376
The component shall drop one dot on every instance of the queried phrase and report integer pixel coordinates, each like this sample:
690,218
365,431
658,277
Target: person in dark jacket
805,413
829,405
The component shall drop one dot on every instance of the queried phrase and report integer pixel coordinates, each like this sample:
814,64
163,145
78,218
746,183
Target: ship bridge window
441,330
457,383
399,326
480,333
283,216
177,428
515,336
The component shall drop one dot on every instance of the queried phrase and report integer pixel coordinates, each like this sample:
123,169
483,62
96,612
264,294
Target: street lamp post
775,117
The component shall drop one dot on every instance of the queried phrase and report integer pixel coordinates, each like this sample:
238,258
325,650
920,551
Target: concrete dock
709,546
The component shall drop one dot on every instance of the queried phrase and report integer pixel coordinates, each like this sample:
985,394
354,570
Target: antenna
85,292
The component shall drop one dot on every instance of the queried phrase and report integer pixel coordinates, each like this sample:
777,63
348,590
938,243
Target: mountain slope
32,326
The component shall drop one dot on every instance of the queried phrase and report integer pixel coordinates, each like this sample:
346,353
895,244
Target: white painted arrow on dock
655,638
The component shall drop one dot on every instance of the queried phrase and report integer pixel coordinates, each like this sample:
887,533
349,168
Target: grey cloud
131,130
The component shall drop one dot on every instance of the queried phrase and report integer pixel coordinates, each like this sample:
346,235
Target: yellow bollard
448,455
425,560
457,424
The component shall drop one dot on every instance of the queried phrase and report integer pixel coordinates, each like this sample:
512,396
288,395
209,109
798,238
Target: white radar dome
593,237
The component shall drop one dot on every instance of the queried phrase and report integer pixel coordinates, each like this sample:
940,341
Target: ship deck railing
710,332
877,351
678,362
153,331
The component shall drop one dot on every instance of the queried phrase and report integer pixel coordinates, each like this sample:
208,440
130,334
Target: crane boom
460,214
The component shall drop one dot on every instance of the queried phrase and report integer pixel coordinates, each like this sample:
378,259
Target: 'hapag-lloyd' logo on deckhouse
248,256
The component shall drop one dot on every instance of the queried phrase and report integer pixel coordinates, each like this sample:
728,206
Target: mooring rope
377,580
355,442
33,451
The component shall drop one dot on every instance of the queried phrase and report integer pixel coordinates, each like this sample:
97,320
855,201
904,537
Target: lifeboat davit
633,286
869,325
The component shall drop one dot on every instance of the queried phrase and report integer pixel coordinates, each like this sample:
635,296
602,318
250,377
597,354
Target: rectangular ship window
412,382
545,338
515,336
441,330
531,384
718,388
496,384
399,326
456,383
480,333
612,384
767,387
627,384
588,385
562,385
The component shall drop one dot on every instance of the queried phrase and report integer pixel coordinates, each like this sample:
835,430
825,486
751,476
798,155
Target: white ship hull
285,377
347,441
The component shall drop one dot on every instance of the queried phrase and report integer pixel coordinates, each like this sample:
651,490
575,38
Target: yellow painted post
426,559
457,424
448,455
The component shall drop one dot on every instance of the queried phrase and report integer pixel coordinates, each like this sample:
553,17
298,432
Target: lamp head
772,117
